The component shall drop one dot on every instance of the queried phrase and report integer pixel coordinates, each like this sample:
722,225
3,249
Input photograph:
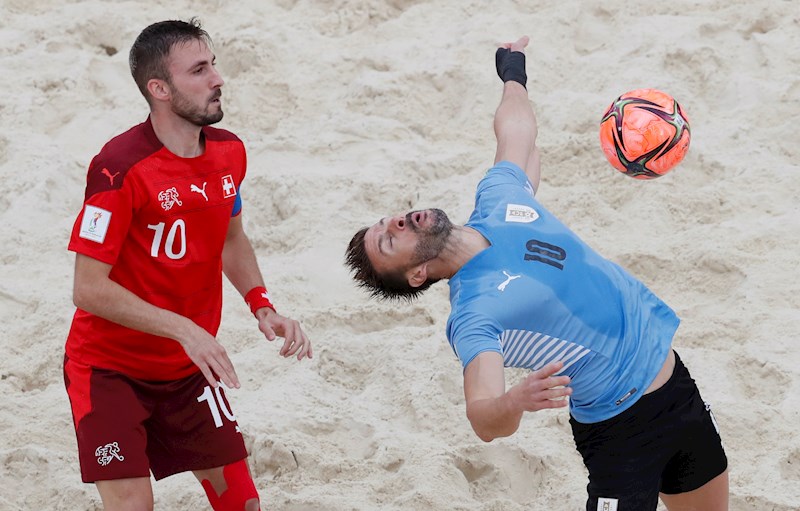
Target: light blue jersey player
526,292
538,294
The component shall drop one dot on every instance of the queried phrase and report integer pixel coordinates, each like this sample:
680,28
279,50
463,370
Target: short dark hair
148,56
387,286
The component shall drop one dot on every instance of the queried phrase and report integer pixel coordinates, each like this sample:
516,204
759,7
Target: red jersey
161,222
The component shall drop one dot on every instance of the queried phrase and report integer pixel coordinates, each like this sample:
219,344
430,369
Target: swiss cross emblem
228,188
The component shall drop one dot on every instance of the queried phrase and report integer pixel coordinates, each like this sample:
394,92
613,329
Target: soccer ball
644,133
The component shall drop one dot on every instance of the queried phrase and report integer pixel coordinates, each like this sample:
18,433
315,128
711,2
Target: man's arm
95,293
514,122
495,413
241,267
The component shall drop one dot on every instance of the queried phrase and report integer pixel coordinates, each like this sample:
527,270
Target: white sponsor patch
604,504
95,223
520,213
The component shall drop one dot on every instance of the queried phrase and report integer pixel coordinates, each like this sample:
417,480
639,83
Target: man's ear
158,89
417,275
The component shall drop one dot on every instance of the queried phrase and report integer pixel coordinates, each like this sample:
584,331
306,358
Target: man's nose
217,80
398,223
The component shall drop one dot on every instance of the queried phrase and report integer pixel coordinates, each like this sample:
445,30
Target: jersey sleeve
505,173
472,334
237,205
102,225
502,183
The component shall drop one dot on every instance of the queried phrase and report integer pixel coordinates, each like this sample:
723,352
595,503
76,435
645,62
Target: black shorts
667,442
128,427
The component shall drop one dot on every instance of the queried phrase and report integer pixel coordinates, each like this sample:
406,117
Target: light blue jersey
539,294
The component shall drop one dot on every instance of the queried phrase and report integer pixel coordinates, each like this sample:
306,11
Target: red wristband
257,298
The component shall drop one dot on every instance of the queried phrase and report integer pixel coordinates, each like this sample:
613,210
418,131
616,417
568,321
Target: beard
432,239
195,114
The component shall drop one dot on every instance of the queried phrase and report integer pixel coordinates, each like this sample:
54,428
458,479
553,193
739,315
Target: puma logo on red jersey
201,191
108,174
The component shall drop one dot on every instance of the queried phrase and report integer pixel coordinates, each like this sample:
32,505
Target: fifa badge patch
520,213
95,223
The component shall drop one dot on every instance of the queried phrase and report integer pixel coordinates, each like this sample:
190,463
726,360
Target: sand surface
352,110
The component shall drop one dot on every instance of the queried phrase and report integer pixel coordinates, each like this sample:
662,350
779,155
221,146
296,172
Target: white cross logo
228,188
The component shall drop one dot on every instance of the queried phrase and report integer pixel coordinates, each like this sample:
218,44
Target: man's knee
133,494
240,492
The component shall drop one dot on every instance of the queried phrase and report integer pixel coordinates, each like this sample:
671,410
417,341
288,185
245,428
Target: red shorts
128,427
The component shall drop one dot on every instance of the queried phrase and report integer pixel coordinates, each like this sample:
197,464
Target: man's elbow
79,297
484,436
481,430
494,427
84,295
488,434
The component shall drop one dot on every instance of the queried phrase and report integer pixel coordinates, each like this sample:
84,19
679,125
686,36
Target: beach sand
352,110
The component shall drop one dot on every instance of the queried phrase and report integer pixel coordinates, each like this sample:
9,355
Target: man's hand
495,412
273,324
210,356
541,390
518,45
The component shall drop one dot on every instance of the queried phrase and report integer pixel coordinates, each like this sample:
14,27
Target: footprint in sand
500,471
353,438
269,458
371,319
697,68
750,374
342,371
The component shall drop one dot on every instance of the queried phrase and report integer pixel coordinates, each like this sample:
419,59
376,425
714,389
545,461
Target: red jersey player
160,224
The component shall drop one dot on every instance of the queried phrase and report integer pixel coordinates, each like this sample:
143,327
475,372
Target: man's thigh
667,442
127,427
624,461
193,427
712,496
108,418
